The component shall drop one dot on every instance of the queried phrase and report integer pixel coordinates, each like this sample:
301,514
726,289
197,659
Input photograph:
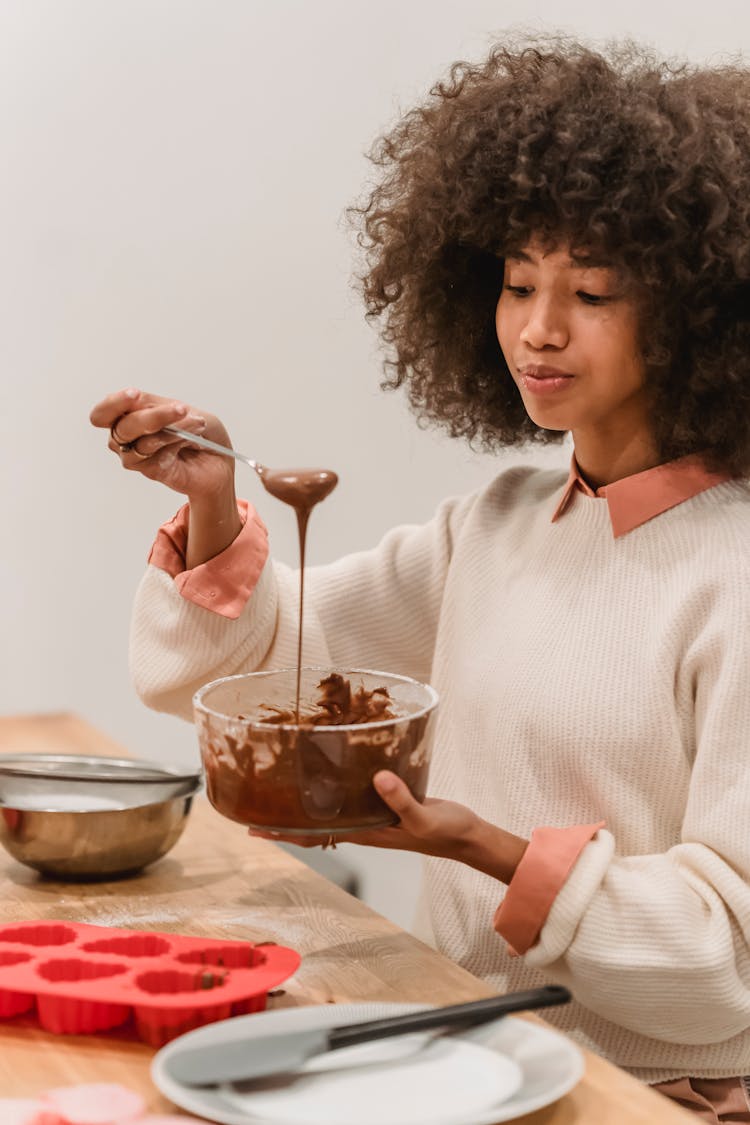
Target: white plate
484,1076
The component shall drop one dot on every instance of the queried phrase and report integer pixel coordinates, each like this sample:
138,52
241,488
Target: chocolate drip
302,489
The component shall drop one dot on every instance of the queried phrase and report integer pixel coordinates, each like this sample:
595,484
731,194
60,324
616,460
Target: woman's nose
545,324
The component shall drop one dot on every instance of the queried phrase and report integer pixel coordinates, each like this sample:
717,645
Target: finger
134,424
398,797
106,412
141,442
152,443
120,403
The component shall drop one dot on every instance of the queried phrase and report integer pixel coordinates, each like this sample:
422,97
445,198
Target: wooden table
219,882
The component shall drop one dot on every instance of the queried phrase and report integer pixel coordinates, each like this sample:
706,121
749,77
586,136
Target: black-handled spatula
282,1052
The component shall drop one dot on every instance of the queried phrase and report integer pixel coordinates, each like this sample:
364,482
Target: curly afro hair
617,153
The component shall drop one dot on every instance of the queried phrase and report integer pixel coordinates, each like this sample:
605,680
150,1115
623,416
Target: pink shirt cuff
544,867
224,583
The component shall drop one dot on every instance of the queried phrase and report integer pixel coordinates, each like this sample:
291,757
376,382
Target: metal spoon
214,446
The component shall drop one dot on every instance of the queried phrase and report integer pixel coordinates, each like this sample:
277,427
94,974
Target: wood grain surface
219,882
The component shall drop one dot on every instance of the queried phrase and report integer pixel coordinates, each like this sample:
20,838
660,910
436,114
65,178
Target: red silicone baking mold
83,979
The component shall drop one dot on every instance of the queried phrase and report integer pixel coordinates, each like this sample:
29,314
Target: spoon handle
214,446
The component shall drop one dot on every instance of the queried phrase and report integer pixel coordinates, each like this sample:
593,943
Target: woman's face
568,333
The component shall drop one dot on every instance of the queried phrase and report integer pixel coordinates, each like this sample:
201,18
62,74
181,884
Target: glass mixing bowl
308,779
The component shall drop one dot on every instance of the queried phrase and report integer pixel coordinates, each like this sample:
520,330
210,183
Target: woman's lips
545,380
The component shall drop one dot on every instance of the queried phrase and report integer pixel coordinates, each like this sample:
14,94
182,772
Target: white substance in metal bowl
76,817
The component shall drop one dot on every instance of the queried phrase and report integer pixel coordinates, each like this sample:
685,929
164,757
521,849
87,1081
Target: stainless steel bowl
77,817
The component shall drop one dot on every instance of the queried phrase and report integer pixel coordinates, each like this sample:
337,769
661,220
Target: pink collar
634,500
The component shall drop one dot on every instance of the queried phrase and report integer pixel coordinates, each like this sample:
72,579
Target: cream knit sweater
581,677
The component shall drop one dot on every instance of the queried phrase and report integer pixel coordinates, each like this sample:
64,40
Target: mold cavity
229,956
77,970
172,981
135,945
54,934
8,958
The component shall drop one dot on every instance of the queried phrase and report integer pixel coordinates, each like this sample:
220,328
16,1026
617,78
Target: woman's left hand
434,827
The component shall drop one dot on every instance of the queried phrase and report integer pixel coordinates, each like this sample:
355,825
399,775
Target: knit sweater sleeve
373,609
660,943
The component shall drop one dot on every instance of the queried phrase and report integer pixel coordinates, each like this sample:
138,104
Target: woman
559,242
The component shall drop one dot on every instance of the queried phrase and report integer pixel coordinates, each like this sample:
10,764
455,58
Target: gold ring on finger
123,445
126,446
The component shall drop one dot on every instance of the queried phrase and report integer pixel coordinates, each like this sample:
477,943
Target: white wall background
173,180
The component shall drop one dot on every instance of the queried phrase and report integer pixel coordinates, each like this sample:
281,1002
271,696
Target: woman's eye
592,298
518,290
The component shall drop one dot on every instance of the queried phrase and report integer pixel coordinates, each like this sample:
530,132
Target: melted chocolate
302,489
337,706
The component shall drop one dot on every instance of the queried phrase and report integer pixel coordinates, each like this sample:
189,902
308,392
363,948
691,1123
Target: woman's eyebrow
576,261
590,262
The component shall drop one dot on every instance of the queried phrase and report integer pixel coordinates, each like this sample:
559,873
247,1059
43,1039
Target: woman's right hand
136,421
